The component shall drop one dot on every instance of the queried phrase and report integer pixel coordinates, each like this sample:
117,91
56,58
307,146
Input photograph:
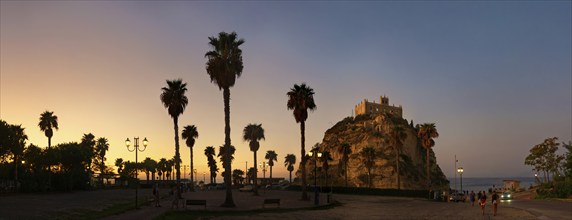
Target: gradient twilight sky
495,77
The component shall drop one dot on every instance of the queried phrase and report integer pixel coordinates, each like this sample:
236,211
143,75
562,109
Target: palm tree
148,166
119,165
398,135
426,133
237,176
17,144
190,133
271,156
210,153
326,157
162,164
289,162
254,133
301,99
48,121
101,148
88,141
225,153
174,99
368,156
345,149
224,66
169,168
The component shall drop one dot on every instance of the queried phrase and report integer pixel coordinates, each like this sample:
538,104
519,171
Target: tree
162,168
174,99
148,166
17,145
568,159
300,100
426,133
224,66
346,150
398,135
237,176
251,172
48,121
101,149
119,165
544,158
190,133
253,133
326,158
289,162
210,153
368,156
271,156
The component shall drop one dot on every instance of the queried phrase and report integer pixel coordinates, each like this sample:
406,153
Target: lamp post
263,166
204,173
136,148
460,171
316,154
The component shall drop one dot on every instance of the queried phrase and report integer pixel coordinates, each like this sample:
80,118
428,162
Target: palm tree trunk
228,202
192,168
397,165
428,176
271,175
290,177
177,155
303,161
255,175
49,142
346,172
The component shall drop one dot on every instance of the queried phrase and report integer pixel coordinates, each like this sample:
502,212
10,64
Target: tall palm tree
88,141
398,135
224,66
174,99
253,133
368,156
101,148
301,99
48,121
210,153
289,162
345,149
426,133
190,133
326,158
271,156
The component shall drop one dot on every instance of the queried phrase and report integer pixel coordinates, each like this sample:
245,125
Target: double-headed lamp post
136,148
460,171
315,154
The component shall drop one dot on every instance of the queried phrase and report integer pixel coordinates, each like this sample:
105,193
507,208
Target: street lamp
263,166
204,173
136,148
316,154
460,171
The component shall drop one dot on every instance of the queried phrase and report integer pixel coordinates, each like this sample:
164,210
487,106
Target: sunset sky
495,77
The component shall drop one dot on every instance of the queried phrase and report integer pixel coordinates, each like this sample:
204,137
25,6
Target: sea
484,183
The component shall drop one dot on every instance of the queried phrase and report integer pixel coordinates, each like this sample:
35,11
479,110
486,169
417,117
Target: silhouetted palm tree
101,149
88,141
162,168
345,149
148,166
224,66
426,133
301,99
119,165
48,121
174,99
271,156
398,135
225,153
253,133
289,162
210,153
190,133
368,156
326,158
17,145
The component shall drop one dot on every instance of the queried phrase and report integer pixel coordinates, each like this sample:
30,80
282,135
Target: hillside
373,130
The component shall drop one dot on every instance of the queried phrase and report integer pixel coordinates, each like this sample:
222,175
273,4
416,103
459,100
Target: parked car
456,197
506,196
247,188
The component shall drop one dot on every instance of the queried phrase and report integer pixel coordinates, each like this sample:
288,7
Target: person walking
495,200
483,202
472,198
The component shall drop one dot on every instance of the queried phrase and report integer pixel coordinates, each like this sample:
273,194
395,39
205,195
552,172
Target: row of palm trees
224,65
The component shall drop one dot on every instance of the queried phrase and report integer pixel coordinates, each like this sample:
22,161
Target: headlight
508,195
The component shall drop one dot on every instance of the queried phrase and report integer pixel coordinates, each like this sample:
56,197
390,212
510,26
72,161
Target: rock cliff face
373,130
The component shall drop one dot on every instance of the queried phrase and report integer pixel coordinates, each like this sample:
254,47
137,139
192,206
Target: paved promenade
46,206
